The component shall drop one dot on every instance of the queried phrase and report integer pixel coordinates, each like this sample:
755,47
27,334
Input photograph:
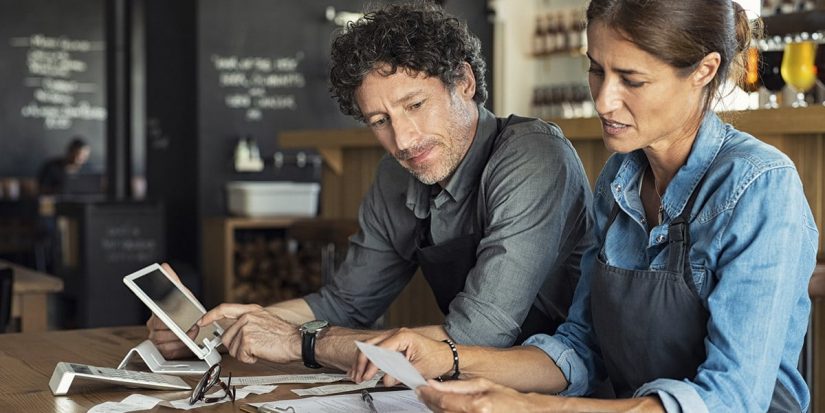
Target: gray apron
445,266
652,324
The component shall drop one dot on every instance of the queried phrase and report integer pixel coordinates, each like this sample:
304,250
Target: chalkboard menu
53,86
262,68
114,240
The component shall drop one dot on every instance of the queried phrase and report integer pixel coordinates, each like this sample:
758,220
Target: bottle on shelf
573,33
538,39
561,34
550,34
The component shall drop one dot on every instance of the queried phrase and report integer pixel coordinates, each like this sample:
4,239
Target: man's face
418,120
79,157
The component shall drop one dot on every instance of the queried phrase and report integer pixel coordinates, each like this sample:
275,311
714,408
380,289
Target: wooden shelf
219,249
760,122
806,21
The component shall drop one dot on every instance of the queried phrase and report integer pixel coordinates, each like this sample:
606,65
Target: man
53,174
494,211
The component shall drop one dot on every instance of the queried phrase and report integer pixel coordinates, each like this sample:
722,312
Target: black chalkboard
53,85
114,240
263,68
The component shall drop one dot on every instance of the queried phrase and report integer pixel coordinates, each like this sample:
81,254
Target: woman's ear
706,69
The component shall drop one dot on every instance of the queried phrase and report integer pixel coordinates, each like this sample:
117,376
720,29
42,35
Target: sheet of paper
338,388
287,378
130,404
140,402
393,363
403,401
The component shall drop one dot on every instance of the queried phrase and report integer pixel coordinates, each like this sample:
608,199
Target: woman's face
642,101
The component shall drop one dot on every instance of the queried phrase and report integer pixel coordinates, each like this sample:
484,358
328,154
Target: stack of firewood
270,268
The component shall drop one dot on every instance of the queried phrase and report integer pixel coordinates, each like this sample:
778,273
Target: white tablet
177,308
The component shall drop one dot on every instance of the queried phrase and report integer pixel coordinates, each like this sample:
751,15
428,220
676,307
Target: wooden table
31,289
28,359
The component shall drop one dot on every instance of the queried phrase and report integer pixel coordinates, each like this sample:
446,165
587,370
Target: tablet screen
183,312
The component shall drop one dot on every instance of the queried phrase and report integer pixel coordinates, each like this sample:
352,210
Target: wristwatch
309,331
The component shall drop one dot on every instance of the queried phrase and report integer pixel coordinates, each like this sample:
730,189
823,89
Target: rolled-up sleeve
676,396
373,272
536,196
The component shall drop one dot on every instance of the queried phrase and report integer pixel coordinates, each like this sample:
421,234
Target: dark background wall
208,64
53,83
190,59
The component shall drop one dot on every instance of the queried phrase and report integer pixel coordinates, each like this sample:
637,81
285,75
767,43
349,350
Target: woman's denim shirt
754,244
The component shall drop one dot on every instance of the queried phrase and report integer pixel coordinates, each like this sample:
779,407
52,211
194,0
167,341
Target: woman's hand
476,395
430,357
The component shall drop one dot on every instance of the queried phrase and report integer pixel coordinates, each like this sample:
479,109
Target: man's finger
358,368
389,381
169,271
227,311
230,333
163,336
174,350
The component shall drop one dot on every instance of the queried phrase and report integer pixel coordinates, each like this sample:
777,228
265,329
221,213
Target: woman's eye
632,84
595,71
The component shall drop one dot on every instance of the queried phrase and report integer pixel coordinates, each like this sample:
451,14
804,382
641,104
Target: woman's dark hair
417,36
682,32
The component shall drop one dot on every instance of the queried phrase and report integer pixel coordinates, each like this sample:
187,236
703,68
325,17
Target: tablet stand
155,361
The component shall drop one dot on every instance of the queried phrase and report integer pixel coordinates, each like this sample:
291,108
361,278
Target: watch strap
308,349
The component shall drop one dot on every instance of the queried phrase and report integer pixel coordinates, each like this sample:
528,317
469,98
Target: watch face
314,325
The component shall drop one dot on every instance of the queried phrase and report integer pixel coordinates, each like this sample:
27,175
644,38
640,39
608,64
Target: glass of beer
798,68
820,59
769,70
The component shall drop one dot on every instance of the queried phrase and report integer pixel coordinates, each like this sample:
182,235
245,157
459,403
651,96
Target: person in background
493,210
694,297
53,174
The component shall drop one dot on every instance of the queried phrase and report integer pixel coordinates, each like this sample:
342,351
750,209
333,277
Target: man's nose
406,132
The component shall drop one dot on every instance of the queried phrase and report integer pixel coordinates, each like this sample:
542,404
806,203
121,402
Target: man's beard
453,148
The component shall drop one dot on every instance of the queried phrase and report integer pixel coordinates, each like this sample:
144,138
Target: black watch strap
308,350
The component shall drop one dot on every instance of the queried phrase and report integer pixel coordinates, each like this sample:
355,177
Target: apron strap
678,234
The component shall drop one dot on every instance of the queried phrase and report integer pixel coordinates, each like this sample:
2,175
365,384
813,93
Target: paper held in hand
394,364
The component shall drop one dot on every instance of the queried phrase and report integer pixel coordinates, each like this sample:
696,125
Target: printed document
403,401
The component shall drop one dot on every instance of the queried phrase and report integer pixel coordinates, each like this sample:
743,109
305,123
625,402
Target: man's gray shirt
533,204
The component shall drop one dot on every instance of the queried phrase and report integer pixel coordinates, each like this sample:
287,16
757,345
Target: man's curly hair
418,36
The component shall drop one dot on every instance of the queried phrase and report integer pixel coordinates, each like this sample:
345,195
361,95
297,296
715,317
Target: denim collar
709,139
465,179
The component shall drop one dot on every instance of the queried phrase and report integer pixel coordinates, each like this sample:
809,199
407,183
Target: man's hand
162,337
430,357
476,395
256,333
167,342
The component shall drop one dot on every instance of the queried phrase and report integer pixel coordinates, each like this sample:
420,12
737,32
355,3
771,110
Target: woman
694,297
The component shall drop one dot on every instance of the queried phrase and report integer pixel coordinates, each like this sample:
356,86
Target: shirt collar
709,139
465,179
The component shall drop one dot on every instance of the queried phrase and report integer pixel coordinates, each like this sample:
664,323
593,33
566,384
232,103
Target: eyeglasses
209,379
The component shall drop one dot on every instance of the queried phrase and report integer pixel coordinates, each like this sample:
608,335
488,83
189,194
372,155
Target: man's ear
467,85
706,69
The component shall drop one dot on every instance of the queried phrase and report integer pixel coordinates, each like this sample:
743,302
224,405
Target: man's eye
417,105
379,122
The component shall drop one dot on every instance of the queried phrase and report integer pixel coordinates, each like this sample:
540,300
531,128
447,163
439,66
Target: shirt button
618,188
660,239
